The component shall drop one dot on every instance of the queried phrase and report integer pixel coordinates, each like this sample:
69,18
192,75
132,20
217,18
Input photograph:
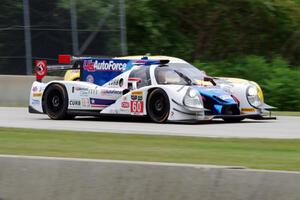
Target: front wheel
158,106
55,102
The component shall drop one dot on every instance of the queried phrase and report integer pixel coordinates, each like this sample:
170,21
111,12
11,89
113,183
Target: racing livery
163,89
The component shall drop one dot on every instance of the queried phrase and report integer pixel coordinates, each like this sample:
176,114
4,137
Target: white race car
163,90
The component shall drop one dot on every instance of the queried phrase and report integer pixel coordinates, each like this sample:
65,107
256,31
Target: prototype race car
162,89
248,93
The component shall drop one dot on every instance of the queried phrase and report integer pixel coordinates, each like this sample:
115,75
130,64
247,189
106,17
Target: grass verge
252,153
285,113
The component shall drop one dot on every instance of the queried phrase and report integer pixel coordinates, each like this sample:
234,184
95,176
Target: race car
164,90
248,93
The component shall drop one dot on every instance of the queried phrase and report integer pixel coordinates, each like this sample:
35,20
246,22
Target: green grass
252,153
286,113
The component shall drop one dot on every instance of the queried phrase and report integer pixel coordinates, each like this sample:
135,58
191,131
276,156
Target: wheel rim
158,106
55,102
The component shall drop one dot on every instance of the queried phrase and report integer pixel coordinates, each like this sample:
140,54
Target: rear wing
66,62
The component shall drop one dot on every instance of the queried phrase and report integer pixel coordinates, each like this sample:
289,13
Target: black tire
158,106
55,102
233,120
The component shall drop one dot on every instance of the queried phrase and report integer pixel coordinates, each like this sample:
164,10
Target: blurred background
254,39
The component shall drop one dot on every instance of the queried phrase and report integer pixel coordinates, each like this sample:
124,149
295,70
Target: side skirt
34,111
84,112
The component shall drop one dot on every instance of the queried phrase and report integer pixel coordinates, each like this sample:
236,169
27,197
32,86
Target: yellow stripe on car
137,92
248,109
38,94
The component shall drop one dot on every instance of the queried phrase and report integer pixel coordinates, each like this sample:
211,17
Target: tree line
253,39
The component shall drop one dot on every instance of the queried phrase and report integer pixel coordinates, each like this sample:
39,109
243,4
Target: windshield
188,70
166,75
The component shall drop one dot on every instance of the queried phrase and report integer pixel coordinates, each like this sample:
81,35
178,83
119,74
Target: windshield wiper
188,80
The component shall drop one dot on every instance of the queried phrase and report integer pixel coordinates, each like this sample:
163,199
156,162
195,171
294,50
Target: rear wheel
158,106
55,102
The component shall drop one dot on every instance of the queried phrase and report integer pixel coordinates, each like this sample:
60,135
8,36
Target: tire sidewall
150,112
62,113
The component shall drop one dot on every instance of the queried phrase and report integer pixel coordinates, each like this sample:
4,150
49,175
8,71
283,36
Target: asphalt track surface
282,128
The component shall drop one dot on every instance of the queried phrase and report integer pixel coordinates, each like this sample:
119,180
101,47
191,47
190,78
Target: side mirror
133,79
210,79
133,82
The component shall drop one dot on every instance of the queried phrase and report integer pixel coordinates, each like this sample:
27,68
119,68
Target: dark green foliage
253,39
283,88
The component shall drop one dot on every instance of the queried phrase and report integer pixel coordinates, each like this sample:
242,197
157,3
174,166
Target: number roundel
137,106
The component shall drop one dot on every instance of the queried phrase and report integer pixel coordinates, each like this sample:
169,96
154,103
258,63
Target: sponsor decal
40,69
90,78
78,89
248,109
103,71
105,65
37,94
35,102
85,102
133,97
35,89
136,98
137,95
74,103
93,91
125,105
137,103
111,92
100,103
82,91
137,92
114,82
172,114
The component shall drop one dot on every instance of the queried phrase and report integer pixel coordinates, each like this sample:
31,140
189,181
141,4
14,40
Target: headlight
259,90
252,96
192,101
192,93
252,91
